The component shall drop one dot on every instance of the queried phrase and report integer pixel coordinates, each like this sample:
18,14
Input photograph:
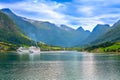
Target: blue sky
74,13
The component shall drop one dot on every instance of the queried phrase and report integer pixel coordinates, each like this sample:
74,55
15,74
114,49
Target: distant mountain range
47,32
111,35
108,42
97,32
104,33
63,35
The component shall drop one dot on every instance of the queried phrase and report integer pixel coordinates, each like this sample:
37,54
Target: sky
73,13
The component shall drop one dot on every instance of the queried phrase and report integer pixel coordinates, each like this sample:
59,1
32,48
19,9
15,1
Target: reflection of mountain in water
34,57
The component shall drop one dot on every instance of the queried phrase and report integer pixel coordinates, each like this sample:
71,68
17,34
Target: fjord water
59,66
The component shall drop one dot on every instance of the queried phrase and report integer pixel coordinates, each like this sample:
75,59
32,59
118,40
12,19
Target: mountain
47,32
67,28
80,29
61,36
98,31
10,33
111,36
22,23
108,42
84,34
116,24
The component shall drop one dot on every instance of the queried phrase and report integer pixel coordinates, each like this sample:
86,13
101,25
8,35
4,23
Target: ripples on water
60,66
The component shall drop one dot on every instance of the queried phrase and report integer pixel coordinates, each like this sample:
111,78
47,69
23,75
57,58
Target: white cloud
35,1
87,23
47,10
86,10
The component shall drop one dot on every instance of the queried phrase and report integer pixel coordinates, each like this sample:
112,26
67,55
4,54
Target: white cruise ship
34,49
30,50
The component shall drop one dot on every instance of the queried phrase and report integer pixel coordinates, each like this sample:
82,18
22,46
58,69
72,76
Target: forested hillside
10,33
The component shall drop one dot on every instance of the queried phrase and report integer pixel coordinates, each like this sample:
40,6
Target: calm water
60,66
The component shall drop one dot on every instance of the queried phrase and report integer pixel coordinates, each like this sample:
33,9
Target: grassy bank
105,47
6,47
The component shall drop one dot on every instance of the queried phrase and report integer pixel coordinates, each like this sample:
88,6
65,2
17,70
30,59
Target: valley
20,31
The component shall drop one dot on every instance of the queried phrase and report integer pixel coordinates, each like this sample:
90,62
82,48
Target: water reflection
59,66
88,67
34,57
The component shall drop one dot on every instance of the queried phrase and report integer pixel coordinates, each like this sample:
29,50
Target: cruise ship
30,50
34,49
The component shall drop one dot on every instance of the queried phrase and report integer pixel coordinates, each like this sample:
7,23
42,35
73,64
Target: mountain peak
101,27
80,29
87,31
6,10
63,26
66,27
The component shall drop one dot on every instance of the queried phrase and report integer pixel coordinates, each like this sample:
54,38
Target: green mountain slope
111,36
10,33
105,47
97,32
109,42
22,23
